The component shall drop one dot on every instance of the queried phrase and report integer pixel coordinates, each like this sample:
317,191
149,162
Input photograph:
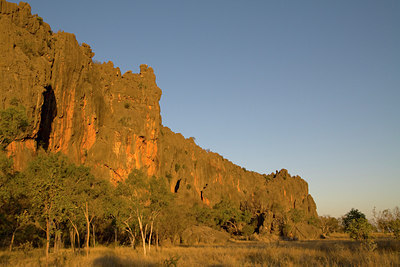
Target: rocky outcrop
111,121
88,111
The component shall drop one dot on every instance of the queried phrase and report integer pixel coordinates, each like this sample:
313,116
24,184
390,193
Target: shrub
359,229
395,227
177,167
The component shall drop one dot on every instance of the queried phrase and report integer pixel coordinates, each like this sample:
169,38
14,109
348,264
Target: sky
310,86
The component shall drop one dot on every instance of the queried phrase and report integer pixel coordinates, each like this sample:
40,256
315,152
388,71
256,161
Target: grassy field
338,252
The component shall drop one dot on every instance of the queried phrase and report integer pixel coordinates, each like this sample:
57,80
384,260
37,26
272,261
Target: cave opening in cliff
178,183
47,115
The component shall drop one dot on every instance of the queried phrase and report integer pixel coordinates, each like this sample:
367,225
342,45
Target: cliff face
88,111
112,123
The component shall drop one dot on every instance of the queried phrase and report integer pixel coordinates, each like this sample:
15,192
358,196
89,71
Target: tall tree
160,198
45,178
146,197
135,194
85,195
13,201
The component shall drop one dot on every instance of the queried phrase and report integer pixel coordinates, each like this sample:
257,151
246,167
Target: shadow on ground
112,260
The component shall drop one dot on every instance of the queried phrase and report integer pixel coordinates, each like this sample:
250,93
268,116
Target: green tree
13,122
123,213
146,197
173,220
353,214
229,217
134,193
160,198
296,215
356,225
45,177
203,215
359,229
85,199
13,201
6,175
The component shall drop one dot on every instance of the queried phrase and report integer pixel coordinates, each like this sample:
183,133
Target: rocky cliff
111,121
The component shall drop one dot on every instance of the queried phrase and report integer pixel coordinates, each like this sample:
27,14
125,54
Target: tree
124,215
160,198
146,197
62,192
328,225
356,224
353,214
388,221
85,198
13,121
174,219
360,229
45,179
229,217
13,201
134,193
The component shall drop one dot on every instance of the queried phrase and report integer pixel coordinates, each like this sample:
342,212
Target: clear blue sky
310,86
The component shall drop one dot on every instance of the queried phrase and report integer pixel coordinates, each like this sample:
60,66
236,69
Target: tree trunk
157,238
151,232
72,238
94,236
115,236
132,237
47,240
55,241
234,225
87,229
143,236
79,239
12,240
77,234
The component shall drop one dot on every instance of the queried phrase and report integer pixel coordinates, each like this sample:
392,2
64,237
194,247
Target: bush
395,227
360,229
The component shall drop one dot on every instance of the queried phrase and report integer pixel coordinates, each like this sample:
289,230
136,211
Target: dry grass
300,253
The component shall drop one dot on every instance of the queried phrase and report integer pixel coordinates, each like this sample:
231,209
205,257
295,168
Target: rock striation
111,121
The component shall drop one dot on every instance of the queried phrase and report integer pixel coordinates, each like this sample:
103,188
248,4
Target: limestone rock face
111,122
88,111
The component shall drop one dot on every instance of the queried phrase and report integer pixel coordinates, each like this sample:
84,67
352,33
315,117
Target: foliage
328,225
395,227
172,261
203,215
296,215
177,167
348,218
388,221
359,229
143,198
13,122
230,218
356,225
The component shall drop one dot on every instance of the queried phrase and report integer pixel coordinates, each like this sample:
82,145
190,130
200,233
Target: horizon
317,84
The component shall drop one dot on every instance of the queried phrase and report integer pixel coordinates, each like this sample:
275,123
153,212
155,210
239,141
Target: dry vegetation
336,252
